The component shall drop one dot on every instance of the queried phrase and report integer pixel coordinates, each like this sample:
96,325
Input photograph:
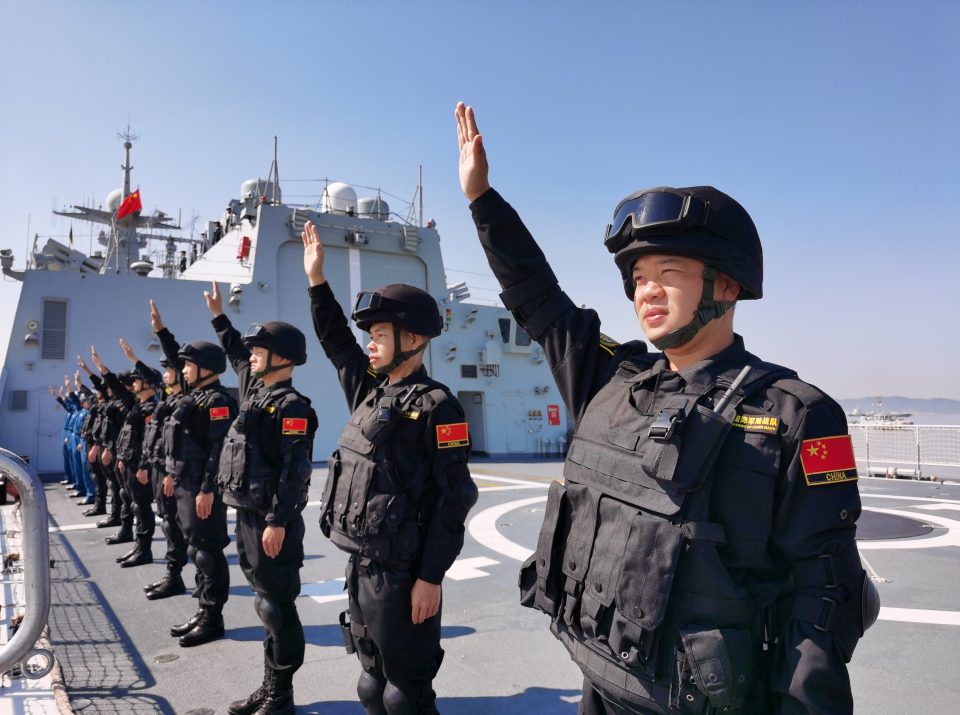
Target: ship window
504,329
468,371
18,400
54,345
523,338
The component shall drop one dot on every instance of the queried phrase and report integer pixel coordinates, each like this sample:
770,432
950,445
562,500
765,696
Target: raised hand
312,254
76,379
128,351
53,393
95,357
474,169
156,322
83,365
214,300
66,381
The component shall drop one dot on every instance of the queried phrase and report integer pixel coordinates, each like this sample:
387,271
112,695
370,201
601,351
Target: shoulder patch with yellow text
607,343
757,423
452,435
828,460
294,425
219,413
412,414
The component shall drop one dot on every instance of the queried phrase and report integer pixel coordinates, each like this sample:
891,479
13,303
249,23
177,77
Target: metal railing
907,450
36,567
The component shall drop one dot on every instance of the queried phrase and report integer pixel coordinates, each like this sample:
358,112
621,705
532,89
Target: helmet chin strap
708,310
270,367
399,356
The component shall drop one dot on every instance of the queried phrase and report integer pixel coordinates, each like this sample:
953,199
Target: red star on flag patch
294,425
219,413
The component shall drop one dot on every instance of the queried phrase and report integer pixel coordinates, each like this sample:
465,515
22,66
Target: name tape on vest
452,435
828,460
294,425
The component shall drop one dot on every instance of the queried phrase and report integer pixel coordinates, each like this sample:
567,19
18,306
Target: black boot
254,700
108,522
171,585
208,628
140,558
279,699
124,536
95,511
183,628
129,555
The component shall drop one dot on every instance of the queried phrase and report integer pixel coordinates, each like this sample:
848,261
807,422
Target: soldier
193,437
405,450
89,431
265,474
121,511
700,555
152,464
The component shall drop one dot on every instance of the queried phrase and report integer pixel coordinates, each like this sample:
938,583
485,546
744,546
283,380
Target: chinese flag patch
828,460
294,425
452,435
219,413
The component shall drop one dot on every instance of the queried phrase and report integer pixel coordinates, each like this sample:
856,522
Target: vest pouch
541,578
647,569
682,462
233,461
384,514
329,489
715,669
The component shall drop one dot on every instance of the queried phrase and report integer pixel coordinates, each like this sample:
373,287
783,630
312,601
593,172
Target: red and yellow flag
294,425
219,413
130,205
452,435
828,460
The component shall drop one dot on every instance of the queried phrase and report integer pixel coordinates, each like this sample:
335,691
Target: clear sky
834,123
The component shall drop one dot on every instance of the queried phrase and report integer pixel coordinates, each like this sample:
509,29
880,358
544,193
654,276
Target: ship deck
117,656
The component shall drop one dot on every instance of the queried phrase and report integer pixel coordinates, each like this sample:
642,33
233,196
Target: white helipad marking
483,528
894,496
325,591
466,569
920,615
951,538
72,527
940,507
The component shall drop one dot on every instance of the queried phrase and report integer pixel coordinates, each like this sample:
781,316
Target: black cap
714,229
281,338
126,378
205,355
408,306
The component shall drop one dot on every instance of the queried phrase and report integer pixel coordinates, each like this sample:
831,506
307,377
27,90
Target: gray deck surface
117,656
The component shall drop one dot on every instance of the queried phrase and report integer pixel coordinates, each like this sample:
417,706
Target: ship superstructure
70,301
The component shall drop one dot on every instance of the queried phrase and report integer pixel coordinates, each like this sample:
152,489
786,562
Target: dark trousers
167,513
207,538
100,482
277,584
119,500
141,504
394,648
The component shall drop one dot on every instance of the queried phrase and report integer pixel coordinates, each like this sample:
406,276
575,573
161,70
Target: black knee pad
192,553
205,561
396,702
370,691
270,612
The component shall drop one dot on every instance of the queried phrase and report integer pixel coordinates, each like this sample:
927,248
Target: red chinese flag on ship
452,435
827,460
130,205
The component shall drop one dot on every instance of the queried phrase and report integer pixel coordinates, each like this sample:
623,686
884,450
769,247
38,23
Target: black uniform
265,474
111,421
396,499
129,446
193,438
89,431
690,562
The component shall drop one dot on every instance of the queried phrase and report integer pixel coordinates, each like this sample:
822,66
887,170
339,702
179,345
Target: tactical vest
153,430
130,441
367,506
247,477
627,562
187,451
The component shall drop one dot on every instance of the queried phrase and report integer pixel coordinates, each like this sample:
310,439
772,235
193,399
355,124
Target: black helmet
281,338
167,365
694,221
205,355
127,378
407,306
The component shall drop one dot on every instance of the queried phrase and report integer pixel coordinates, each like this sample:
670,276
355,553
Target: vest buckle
666,423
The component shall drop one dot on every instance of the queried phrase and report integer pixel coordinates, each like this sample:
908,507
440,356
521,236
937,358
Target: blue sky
834,124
